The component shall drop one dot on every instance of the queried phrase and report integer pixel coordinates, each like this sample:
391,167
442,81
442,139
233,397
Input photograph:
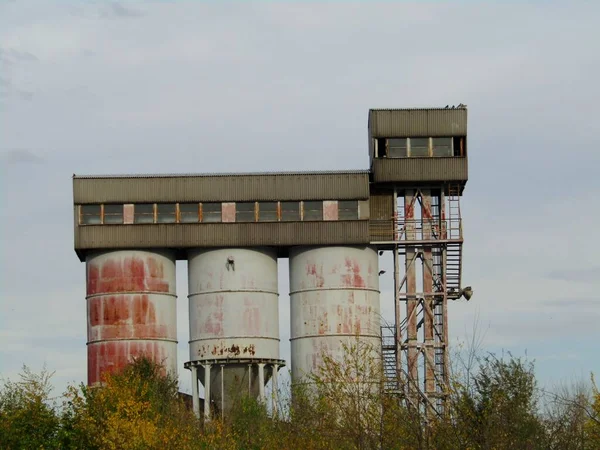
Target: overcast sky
204,87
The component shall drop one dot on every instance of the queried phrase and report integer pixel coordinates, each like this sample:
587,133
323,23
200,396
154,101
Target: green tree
28,415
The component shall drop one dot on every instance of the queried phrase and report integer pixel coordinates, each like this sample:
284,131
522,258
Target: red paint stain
317,273
110,357
352,278
127,274
126,316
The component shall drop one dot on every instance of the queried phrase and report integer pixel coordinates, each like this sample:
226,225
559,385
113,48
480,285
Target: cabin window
397,148
143,213
90,214
313,211
211,212
348,210
166,213
188,212
113,214
244,212
419,147
442,147
290,211
267,212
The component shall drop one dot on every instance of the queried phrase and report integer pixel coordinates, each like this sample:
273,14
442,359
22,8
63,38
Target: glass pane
419,147
113,214
166,213
290,211
188,212
313,210
244,212
144,213
397,148
442,147
90,215
267,211
211,212
348,210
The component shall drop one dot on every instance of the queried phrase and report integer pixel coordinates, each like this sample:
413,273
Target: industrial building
232,228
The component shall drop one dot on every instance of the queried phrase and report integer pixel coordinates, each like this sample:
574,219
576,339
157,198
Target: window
113,213
397,148
348,210
90,214
267,212
313,210
442,147
244,212
211,212
290,211
166,213
143,213
188,212
419,147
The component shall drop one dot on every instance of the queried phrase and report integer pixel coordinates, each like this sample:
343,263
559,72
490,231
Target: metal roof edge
216,174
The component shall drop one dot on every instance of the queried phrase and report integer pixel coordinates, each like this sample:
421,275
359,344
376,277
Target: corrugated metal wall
420,169
330,186
221,235
417,123
381,225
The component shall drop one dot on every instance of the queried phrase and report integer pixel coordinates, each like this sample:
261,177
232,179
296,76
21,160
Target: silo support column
275,368
207,392
195,396
261,382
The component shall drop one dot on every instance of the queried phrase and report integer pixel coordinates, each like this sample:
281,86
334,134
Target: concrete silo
334,294
234,323
131,310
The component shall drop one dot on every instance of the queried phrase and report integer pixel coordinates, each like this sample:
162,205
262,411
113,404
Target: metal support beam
195,394
207,392
275,387
261,383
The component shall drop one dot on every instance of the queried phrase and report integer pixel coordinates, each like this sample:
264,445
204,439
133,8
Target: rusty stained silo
234,323
334,294
131,310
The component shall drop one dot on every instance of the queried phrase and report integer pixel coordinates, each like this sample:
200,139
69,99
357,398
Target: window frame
203,213
100,215
135,214
304,202
341,210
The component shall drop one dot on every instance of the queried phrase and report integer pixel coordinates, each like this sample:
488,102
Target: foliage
495,404
28,415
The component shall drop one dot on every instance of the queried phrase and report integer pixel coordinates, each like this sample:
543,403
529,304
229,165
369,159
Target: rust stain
126,275
317,273
353,277
110,357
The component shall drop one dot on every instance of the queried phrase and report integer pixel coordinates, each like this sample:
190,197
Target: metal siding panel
420,169
221,235
418,123
342,186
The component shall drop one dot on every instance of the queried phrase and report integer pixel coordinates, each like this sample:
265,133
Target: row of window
420,147
212,212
